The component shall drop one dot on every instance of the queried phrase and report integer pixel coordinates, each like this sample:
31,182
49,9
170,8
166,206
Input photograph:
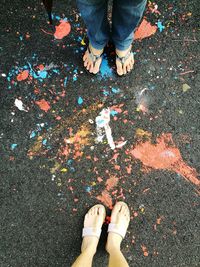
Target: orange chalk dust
105,196
62,30
23,75
164,155
145,30
145,251
43,104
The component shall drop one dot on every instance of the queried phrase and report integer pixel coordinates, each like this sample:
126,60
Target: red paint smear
43,104
111,182
164,155
23,75
105,195
145,30
62,30
105,198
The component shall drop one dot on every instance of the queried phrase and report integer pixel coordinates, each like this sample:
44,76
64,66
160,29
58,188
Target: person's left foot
124,61
93,220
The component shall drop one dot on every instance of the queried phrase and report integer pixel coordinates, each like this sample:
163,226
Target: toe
129,68
85,63
88,66
91,68
101,209
85,56
119,68
97,66
124,69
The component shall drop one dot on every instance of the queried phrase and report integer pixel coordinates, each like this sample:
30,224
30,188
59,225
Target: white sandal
92,231
116,228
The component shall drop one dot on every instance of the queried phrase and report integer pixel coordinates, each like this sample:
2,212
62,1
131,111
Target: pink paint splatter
62,30
145,30
23,75
164,155
43,104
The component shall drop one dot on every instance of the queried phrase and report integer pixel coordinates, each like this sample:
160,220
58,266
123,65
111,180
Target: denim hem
97,46
123,46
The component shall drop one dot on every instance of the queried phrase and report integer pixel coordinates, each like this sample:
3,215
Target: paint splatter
140,133
80,100
19,104
23,75
105,196
164,155
13,146
43,104
62,30
160,26
145,30
105,70
145,251
102,122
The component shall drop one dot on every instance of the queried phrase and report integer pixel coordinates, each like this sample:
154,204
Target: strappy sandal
94,231
94,58
119,229
123,60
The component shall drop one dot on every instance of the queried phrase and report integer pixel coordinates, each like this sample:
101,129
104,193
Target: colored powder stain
141,133
164,155
65,82
43,104
145,30
111,182
106,93
62,30
113,112
145,251
105,70
33,134
13,146
83,42
105,195
115,90
160,26
105,198
44,142
42,74
88,189
23,75
80,100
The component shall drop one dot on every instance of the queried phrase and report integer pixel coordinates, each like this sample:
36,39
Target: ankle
112,248
95,51
89,250
113,242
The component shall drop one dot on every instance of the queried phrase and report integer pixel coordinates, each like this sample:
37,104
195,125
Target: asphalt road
52,167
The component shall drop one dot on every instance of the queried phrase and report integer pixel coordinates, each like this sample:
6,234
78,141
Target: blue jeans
126,15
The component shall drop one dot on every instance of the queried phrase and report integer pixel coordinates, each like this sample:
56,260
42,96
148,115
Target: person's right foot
120,217
93,219
90,63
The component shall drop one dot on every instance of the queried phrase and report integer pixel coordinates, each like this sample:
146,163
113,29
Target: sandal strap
90,231
114,228
93,57
123,59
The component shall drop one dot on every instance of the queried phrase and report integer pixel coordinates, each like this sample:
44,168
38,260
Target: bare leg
121,217
93,219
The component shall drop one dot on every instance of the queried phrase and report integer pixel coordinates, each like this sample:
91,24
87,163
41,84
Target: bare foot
93,219
90,64
127,66
121,217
